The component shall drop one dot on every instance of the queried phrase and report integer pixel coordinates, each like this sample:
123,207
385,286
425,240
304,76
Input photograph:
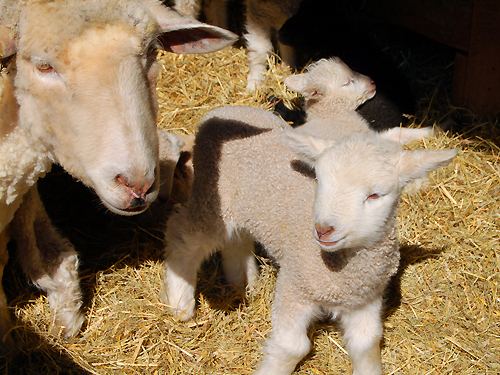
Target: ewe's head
85,82
333,82
359,183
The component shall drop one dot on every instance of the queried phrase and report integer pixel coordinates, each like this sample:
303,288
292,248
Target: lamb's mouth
329,244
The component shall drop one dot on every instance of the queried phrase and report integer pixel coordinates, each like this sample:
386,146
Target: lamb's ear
184,35
296,82
306,147
405,135
300,83
414,165
169,145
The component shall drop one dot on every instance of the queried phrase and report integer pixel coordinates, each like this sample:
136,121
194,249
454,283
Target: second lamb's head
359,181
331,81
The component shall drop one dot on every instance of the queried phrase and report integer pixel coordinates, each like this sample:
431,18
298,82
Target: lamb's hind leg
362,333
185,252
289,343
50,261
238,261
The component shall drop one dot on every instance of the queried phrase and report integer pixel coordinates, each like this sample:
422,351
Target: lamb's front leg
186,249
50,261
289,343
362,333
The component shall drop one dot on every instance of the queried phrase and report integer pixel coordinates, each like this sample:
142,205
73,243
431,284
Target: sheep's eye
373,196
149,57
45,68
152,52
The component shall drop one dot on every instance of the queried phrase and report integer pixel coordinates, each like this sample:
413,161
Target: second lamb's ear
184,35
306,147
414,165
300,83
296,82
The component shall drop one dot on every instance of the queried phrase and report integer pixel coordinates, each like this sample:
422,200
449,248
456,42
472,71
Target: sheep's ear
405,135
184,35
306,147
414,165
7,43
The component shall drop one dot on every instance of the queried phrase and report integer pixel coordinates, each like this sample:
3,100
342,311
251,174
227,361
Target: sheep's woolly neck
256,184
23,159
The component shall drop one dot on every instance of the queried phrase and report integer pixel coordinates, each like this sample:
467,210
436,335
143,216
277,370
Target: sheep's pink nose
137,192
324,231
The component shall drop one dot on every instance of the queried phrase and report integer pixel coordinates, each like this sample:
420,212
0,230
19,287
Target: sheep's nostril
324,231
136,191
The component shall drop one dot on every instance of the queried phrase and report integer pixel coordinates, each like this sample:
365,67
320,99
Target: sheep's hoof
67,326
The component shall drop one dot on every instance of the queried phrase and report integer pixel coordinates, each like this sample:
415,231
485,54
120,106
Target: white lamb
335,260
79,90
332,93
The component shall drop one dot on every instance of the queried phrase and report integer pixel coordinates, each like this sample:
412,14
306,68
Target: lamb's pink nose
322,231
136,191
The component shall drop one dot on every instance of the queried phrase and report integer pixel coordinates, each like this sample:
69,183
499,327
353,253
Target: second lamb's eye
348,82
374,196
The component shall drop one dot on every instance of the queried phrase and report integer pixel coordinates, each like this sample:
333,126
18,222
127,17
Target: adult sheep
80,91
333,234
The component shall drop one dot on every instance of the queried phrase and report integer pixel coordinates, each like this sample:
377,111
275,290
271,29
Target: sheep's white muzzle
128,197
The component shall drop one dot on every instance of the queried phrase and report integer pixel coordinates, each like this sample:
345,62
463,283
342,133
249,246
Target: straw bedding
443,307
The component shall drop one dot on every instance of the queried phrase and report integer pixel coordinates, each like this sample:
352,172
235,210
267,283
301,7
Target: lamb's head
359,181
85,83
331,81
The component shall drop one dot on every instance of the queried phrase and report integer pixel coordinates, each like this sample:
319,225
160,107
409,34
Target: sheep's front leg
362,333
238,261
258,38
6,342
289,342
50,261
185,253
